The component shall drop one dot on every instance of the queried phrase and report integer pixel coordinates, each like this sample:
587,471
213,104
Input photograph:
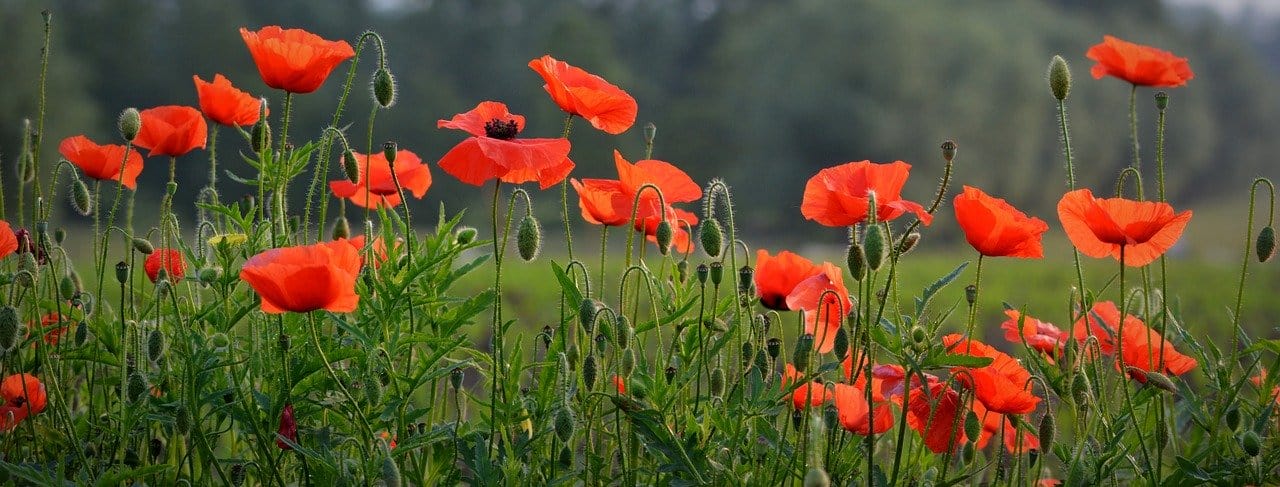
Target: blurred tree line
762,93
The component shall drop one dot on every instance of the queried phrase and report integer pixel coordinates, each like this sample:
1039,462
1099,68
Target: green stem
973,307
1133,126
324,359
496,329
564,193
1071,185
40,110
1124,375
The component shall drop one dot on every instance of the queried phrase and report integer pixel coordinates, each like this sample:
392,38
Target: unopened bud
663,236
563,424
841,342
260,136
717,382
908,243
1233,418
351,166
1059,78
129,124
587,310
804,345
817,477
1160,381
682,271
589,372
9,327
155,345
1266,244
1048,430
712,237
628,362
59,235
529,238
390,472
972,427
341,228
27,167
1080,390
857,261
80,198
384,88
1250,443
873,244
465,235
136,388
143,246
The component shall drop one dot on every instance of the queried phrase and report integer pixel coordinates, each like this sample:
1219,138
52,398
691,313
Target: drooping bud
373,391
841,345
66,286
136,387
566,457
587,310
59,235
1162,100
589,372
972,427
238,474
182,419
857,261
384,88
1059,78
712,237
563,423
546,336
663,236
129,124
341,228
389,151
155,448
351,166
82,333
717,273
1080,392
1048,430
9,327
625,332
80,199
1266,244
529,238
804,345
1233,418
817,477
155,345
1250,443
143,246
465,235
1158,380
390,472
908,243
873,244
717,382
628,362
209,275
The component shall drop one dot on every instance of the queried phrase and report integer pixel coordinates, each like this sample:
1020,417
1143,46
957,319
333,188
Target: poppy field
316,331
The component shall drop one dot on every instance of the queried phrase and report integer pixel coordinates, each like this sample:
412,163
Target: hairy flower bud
800,358
81,201
1059,78
155,345
136,387
663,236
9,328
260,136
589,372
351,166
841,342
1233,418
129,124
908,243
1048,430
1266,244
529,238
712,237
143,246
682,271
563,423
1250,443
628,362
390,472
873,244
817,477
465,235
341,228
717,382
587,310
384,88
1080,390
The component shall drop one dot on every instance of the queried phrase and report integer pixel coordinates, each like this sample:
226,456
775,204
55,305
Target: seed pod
1162,100
650,132
122,272
1250,443
136,387
831,417
546,336
9,328
455,378
384,88
182,419
80,199
628,362
1048,431
237,474
971,294
155,345
351,166
717,382
390,472
949,150
804,345
589,371
908,242
389,152
663,236
1266,244
529,238
797,418
465,235
702,272
774,346
712,237
873,245
717,273
1059,78
817,477
918,334
841,345
563,423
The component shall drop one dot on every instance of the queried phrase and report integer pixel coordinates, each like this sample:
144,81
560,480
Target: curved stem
324,359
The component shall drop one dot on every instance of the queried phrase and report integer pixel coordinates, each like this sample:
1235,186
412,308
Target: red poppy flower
172,130
493,151
998,424
8,240
288,429
1002,385
777,276
837,196
305,278
580,93
376,188
1142,348
620,384
995,228
168,259
1101,322
379,248
1039,335
1100,227
386,436
226,104
1138,64
24,395
102,162
609,202
810,394
858,417
49,325
935,411
294,60
812,296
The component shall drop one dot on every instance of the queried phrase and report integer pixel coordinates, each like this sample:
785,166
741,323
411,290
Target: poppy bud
716,324
625,333
9,325
841,342
563,424
66,287
82,334
587,313
774,347
122,272
589,372
80,200
1158,380
209,275
800,358
817,477
572,353
384,88
670,374
455,378
702,270
712,237
650,132
283,342
155,345
529,238
602,344
155,448
908,243
971,294
717,273
1233,419
237,474
873,245
1162,436
465,235
663,237
831,416
628,362
1080,390
1162,100
373,392
136,388
972,427
260,136
143,246
796,418
1266,244
390,472
717,382
1048,430
857,261
1059,78
59,235
682,271
1250,443
546,336
182,419
341,228
566,457
748,352
389,150
129,124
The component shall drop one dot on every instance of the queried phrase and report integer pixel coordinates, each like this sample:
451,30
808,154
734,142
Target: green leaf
932,289
657,437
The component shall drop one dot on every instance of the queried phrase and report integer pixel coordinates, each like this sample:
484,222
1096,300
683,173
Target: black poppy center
501,129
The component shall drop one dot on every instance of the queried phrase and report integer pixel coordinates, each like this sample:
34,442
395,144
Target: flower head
288,429
1039,335
305,278
856,415
1102,227
825,301
1002,385
839,196
172,130
294,60
494,152
24,395
610,202
168,259
1141,345
8,240
776,276
376,187
995,228
1138,64
934,410
226,104
578,92
102,162
808,394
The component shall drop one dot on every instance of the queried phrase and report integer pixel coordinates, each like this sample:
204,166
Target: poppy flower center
501,129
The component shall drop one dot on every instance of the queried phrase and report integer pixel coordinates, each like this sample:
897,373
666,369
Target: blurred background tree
762,93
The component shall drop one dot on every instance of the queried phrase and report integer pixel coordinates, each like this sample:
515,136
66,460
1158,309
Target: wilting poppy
288,429
494,152
609,202
103,162
856,415
620,384
935,411
172,130
822,297
168,259
777,276
812,393
838,196
580,93
995,228
8,240
1138,64
294,60
24,395
1039,335
1002,385
305,278
226,104
1099,227
376,187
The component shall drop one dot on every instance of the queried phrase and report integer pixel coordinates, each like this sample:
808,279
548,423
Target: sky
1233,9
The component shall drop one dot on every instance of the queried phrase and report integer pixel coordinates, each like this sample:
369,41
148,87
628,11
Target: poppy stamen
501,129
